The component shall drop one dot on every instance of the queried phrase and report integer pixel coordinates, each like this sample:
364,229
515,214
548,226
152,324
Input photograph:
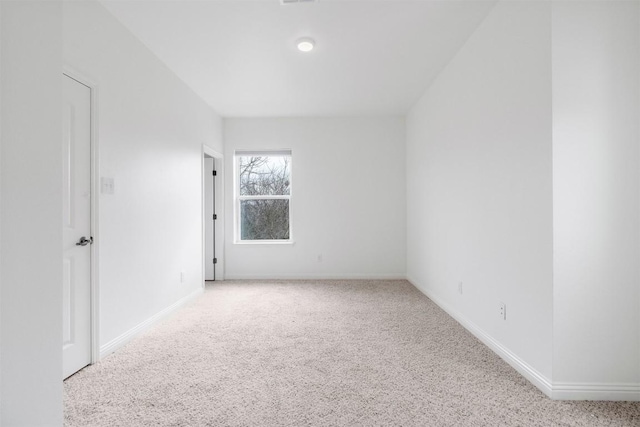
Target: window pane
264,175
264,219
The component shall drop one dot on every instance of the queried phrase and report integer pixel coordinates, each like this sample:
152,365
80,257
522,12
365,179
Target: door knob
84,241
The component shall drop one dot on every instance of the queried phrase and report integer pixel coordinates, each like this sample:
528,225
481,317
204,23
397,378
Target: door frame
95,200
218,164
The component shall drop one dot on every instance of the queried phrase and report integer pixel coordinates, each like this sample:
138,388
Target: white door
76,335
209,212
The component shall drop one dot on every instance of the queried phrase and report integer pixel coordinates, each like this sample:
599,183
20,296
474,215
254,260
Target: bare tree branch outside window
264,190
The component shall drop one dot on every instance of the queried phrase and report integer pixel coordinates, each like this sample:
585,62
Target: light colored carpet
316,353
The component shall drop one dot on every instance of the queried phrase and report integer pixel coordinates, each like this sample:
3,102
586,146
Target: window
263,196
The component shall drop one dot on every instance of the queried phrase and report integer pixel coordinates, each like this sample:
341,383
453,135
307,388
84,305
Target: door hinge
215,217
215,260
215,173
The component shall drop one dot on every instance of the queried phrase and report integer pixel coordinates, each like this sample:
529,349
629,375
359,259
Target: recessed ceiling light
306,44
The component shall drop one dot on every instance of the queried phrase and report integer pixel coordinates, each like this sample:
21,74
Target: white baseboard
527,371
556,391
399,276
616,392
123,339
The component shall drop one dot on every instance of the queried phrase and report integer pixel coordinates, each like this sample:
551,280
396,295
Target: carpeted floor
316,353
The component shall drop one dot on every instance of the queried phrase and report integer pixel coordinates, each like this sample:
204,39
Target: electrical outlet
503,311
319,257
460,288
182,277
107,185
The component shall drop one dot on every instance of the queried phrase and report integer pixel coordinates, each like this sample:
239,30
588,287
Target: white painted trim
1,143
316,277
123,339
556,391
265,242
211,152
527,371
203,215
95,208
285,197
615,392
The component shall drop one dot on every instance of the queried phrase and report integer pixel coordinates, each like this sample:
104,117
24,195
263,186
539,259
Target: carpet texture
316,353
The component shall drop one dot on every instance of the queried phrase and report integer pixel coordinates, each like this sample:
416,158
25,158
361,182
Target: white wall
151,130
479,185
31,214
348,198
596,156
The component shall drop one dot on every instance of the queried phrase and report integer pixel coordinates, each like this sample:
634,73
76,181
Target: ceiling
372,57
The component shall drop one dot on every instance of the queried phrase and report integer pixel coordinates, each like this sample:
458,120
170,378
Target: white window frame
238,198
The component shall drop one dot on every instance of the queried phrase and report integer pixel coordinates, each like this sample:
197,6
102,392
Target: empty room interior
319,212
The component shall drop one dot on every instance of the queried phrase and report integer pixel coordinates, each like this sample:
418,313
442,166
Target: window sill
263,242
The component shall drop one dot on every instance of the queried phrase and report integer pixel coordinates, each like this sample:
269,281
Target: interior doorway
213,214
78,226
